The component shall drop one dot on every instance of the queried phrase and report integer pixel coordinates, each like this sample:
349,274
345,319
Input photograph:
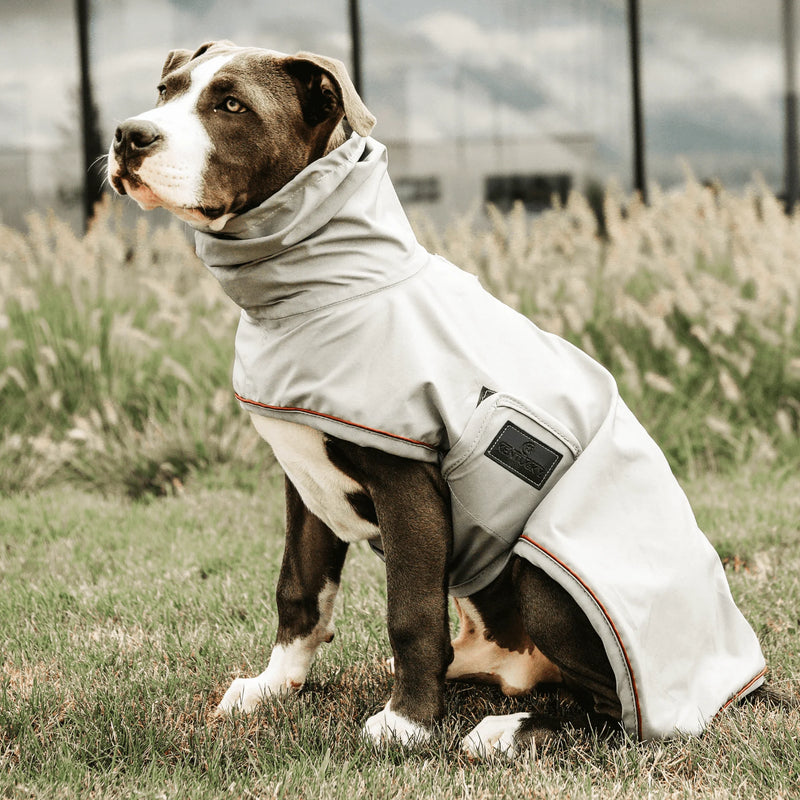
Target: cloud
38,75
729,20
683,64
456,67
561,65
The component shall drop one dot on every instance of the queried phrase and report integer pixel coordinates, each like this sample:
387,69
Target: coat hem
320,415
632,680
745,690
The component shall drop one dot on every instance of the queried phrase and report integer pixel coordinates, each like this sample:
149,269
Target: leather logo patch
523,454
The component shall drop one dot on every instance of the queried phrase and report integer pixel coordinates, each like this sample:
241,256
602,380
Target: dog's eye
162,92
233,106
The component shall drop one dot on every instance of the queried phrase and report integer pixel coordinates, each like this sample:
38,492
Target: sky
439,70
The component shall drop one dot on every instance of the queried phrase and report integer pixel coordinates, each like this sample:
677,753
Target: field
123,623
141,522
116,349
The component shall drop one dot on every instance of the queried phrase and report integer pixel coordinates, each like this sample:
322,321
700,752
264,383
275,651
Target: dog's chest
327,492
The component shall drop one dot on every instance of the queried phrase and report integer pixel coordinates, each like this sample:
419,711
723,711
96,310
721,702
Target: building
447,179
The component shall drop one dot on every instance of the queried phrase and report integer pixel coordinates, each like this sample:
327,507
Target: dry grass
116,348
115,357
692,302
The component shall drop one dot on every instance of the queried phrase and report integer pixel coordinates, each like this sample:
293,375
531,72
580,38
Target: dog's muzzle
136,138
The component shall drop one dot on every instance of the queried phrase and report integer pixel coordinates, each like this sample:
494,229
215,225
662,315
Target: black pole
639,176
90,136
790,155
355,44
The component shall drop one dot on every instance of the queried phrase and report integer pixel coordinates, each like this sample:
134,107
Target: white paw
244,694
387,726
285,674
494,736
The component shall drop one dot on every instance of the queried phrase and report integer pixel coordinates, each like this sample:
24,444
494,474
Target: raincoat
348,325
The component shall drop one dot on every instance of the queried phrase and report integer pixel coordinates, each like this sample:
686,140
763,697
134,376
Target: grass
116,348
140,520
123,622
115,358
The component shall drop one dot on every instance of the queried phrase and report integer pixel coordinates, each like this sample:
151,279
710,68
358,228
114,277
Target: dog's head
231,126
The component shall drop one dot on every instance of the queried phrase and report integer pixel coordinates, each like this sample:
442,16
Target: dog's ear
222,43
177,58
325,90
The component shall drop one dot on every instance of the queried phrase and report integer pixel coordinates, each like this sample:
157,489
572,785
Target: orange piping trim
610,622
744,688
334,419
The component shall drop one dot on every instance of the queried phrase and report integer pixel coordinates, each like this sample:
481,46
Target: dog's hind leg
307,586
554,621
493,646
564,634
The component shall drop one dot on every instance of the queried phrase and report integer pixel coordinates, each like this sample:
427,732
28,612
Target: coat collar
335,231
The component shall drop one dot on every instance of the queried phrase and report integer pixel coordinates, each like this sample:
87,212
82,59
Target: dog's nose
136,136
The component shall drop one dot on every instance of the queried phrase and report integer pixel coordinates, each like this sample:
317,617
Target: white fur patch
175,172
288,665
300,450
387,727
494,736
477,655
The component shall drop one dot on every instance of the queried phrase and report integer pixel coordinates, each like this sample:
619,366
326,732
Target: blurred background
478,101
511,127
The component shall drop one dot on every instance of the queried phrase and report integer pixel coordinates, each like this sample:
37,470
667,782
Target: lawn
124,621
141,521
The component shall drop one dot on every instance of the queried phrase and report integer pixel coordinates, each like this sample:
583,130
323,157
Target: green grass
121,624
140,520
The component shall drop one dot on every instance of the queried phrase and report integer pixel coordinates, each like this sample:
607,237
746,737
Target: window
534,191
425,189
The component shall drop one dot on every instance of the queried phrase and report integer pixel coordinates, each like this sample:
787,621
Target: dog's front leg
412,507
307,586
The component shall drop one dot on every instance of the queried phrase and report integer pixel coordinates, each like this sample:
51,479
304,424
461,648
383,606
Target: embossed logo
529,458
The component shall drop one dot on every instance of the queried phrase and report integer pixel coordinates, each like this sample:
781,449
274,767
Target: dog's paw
494,736
387,727
244,694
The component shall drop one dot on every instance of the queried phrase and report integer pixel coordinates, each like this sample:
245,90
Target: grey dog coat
349,326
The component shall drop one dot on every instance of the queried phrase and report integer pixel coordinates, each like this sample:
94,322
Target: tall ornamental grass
691,301
115,358
116,348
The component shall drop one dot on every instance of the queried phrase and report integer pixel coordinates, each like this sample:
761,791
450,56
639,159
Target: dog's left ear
325,90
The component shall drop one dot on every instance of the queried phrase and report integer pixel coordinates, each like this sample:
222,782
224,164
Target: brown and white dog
231,127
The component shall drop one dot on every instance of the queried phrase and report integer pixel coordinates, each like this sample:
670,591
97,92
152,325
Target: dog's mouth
139,191
212,217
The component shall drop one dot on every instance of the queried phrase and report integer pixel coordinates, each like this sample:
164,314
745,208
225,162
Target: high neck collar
335,231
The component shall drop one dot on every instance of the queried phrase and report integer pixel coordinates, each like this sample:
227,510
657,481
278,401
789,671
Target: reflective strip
335,419
613,627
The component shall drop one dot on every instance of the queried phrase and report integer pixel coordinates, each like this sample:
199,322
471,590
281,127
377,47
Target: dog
255,148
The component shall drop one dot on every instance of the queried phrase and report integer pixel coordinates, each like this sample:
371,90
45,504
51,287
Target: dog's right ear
177,58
